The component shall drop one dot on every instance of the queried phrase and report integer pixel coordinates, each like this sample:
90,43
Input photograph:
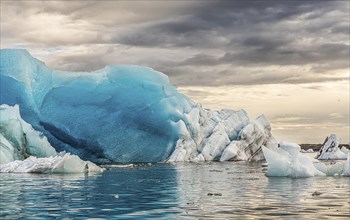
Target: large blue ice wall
120,113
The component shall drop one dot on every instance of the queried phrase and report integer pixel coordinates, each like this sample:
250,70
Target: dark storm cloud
267,54
194,42
225,19
253,34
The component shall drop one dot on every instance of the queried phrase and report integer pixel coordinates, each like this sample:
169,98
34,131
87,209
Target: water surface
181,191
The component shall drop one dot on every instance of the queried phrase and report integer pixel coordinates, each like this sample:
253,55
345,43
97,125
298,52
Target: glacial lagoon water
230,190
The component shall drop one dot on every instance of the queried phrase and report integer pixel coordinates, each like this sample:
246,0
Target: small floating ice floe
61,163
112,166
287,161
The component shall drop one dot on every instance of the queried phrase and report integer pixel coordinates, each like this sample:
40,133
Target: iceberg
25,150
18,139
125,113
330,149
288,161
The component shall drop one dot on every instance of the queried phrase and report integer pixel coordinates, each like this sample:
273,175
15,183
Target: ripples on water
181,191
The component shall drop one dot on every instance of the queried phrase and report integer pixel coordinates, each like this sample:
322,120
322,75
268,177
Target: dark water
181,191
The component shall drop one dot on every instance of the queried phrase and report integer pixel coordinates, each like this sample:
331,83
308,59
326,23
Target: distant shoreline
316,147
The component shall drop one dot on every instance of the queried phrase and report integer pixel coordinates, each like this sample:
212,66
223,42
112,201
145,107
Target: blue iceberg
123,113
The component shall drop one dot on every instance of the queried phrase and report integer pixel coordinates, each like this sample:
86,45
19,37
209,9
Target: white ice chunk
287,161
58,164
330,149
6,150
18,138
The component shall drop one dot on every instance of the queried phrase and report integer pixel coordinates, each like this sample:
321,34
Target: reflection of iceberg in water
147,191
219,190
282,194
304,197
291,189
44,192
151,189
247,193
172,192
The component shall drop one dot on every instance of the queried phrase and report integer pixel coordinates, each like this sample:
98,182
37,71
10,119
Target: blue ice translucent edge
122,113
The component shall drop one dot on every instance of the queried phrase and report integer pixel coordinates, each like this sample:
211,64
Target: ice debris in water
330,149
288,161
23,149
61,163
125,113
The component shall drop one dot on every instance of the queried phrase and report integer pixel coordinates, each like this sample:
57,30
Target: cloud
206,43
286,59
301,113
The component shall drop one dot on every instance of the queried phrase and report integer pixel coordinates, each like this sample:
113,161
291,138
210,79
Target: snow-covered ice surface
125,114
288,161
330,149
25,150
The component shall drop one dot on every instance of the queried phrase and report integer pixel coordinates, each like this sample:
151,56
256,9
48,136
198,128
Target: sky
288,60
